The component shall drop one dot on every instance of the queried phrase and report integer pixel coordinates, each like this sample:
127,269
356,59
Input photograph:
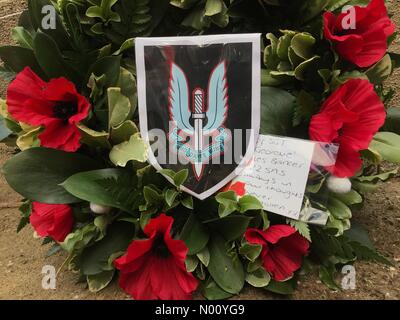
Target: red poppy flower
55,105
52,220
155,268
238,187
350,116
366,44
282,249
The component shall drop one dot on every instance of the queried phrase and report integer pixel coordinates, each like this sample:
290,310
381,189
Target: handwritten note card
278,174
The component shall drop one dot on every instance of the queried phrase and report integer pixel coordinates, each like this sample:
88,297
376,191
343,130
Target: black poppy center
65,110
159,247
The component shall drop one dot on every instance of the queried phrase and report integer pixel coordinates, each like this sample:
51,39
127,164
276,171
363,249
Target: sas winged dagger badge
193,118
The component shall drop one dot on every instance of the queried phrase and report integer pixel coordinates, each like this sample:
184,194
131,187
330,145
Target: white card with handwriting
278,174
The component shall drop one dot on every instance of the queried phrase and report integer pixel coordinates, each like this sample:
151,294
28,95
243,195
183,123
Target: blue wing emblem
217,99
179,99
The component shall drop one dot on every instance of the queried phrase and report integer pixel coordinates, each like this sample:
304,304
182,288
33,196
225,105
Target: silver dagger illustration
198,116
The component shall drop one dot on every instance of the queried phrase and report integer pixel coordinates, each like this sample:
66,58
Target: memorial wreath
82,161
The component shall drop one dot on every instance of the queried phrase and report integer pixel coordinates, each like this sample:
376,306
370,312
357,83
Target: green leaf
380,71
362,245
180,177
213,7
110,67
212,291
119,107
95,12
94,138
37,173
338,209
4,131
301,227
254,265
191,263
225,268
358,233
183,4
259,278
327,276
265,221
204,256
395,58
59,34
94,259
25,21
392,120
336,4
103,11
196,19
144,219
365,253
102,222
364,187
167,172
248,202
126,45
134,149
227,203
188,202
29,139
312,8
127,83
71,17
170,196
6,73
285,288
123,132
50,59
194,234
107,187
276,104
350,198
378,177
152,196
80,238
157,11
232,227
250,251
99,281
268,80
22,37
23,222
283,46
305,107
387,144
47,240
301,69
338,224
25,209
302,45
53,250
17,58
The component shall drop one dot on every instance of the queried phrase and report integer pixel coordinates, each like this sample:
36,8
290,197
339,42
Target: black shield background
198,62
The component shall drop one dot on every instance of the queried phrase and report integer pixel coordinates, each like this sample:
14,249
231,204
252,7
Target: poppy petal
60,136
286,256
276,232
53,220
